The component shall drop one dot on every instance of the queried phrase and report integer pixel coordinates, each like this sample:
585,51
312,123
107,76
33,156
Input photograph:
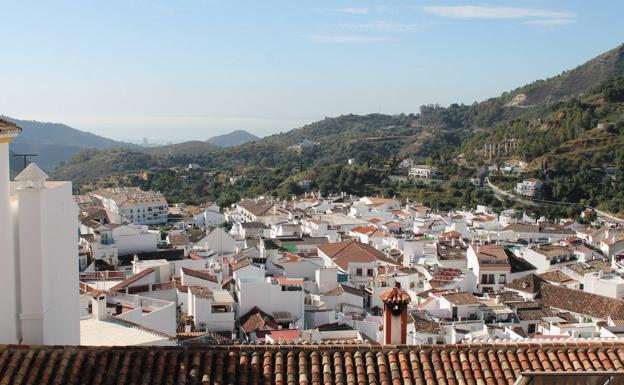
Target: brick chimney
395,316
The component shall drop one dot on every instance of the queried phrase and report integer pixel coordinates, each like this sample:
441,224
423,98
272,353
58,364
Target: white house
423,172
212,309
528,187
134,238
281,297
360,261
542,232
212,215
218,241
549,256
490,264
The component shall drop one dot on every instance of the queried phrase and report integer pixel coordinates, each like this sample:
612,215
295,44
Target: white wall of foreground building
8,299
39,264
47,238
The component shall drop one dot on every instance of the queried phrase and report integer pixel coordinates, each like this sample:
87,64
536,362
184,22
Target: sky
176,70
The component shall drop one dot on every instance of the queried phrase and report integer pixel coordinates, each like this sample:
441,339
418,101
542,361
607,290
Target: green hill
564,123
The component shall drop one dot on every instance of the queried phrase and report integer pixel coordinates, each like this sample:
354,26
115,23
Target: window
369,272
358,272
487,279
502,279
531,328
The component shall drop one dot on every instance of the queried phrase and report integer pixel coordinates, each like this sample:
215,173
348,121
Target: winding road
500,194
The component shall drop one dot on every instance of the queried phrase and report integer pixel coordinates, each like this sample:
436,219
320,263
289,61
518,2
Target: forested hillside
561,126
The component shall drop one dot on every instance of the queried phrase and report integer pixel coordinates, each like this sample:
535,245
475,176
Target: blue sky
179,70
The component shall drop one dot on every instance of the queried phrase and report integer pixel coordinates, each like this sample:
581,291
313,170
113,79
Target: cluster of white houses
312,269
317,269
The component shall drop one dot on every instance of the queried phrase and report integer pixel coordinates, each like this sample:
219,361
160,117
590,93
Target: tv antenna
25,157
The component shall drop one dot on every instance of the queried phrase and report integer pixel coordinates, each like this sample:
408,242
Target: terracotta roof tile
581,302
304,364
342,253
8,128
395,295
128,282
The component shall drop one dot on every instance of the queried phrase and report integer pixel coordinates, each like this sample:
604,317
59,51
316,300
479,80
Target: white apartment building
133,205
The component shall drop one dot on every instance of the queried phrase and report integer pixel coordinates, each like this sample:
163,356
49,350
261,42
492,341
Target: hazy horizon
176,71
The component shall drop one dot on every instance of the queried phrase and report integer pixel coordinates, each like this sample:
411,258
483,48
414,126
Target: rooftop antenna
25,157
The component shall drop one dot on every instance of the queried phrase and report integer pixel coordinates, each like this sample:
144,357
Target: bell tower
395,316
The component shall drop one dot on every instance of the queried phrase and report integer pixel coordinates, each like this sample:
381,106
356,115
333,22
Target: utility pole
25,157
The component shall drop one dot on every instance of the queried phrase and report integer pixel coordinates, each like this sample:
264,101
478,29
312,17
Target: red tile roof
200,274
289,281
342,253
395,295
128,282
581,302
8,128
285,335
304,364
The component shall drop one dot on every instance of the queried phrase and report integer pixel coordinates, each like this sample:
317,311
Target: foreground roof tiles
291,364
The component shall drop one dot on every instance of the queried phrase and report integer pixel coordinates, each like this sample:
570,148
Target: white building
211,216
131,204
39,264
212,309
490,264
423,172
528,187
282,298
549,256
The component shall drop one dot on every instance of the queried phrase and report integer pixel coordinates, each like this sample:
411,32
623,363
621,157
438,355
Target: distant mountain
54,142
234,138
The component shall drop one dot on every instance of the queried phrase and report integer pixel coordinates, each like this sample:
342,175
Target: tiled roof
342,253
8,128
529,284
257,208
542,227
461,298
178,239
304,364
256,319
240,264
395,295
492,255
582,302
353,290
128,282
205,275
197,235
556,276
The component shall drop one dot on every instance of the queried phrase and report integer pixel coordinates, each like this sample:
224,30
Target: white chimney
98,304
